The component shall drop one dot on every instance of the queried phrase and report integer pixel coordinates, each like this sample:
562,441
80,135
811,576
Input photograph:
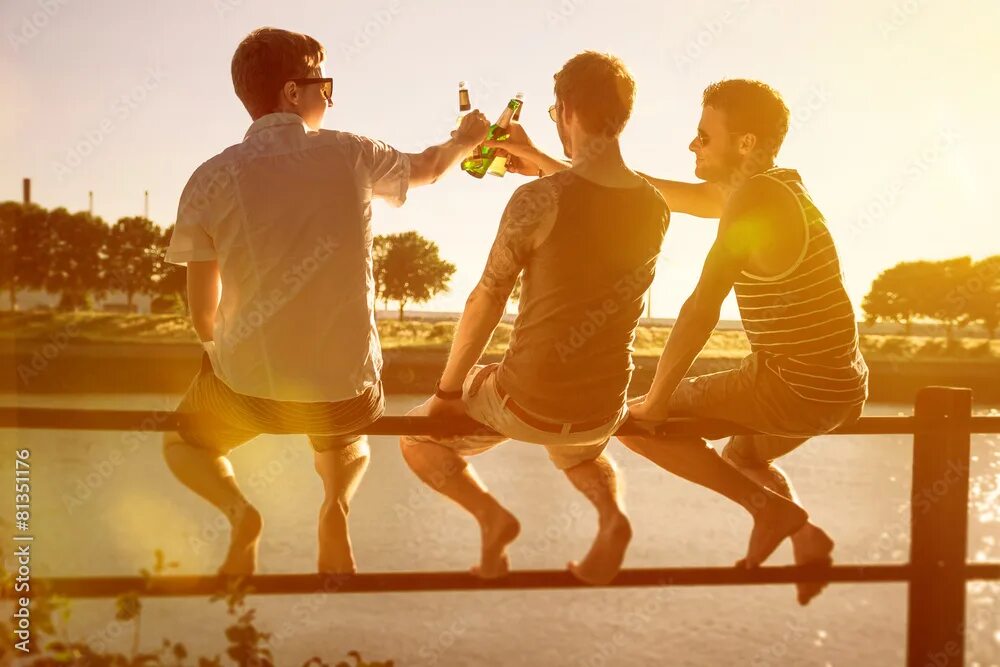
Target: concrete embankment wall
50,367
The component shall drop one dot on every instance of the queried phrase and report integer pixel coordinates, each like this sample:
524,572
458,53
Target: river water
104,501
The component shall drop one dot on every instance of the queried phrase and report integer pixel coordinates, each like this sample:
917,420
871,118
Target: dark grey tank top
570,353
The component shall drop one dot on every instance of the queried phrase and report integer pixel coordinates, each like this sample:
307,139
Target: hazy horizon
892,121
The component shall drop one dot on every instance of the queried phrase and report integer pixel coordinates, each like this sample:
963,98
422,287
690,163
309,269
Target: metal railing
937,572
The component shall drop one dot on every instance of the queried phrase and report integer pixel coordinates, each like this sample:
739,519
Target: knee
407,446
736,455
171,440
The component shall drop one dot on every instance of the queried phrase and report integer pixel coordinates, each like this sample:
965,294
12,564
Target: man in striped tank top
805,374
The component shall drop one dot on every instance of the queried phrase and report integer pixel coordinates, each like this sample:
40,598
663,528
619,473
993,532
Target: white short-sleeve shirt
287,215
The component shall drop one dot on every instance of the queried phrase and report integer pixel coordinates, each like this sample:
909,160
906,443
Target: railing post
939,528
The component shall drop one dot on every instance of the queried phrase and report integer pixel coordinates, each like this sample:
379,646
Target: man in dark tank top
805,374
586,241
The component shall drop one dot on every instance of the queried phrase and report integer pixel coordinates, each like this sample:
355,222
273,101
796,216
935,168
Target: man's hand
437,407
642,411
517,144
472,130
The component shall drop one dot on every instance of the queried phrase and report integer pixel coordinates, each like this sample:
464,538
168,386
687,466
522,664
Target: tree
982,294
941,283
169,280
25,247
131,249
78,244
897,295
379,244
515,293
410,269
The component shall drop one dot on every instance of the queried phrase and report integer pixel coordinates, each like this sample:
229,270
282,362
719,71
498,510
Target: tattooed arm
527,220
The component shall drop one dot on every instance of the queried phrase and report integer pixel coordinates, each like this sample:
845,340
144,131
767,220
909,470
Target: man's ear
747,143
290,93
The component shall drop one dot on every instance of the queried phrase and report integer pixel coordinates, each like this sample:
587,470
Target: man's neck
599,159
749,168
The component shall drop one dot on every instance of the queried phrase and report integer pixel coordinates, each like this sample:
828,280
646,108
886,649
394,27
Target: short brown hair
600,89
265,60
753,107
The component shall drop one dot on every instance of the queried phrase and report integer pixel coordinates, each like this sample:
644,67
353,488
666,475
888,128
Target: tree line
955,292
81,257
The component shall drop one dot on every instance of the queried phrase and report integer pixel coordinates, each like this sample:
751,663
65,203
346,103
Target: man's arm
428,166
699,315
528,218
704,200
527,158
203,296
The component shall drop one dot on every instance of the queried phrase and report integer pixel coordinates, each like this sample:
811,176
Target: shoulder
210,179
537,199
762,195
350,140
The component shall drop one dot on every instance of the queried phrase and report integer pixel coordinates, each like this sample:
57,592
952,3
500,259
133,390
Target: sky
893,129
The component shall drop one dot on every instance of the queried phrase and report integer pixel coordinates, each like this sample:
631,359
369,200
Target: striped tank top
802,321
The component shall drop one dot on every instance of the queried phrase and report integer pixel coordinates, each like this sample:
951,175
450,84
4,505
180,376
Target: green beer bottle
499,166
482,157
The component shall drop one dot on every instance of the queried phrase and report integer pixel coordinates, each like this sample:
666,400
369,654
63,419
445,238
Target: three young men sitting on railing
585,237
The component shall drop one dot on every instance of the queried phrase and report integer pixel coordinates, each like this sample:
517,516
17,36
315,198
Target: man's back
287,215
570,352
801,319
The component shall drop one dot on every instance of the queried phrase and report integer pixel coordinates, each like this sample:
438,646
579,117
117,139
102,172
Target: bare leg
774,517
341,469
598,481
210,475
811,545
448,473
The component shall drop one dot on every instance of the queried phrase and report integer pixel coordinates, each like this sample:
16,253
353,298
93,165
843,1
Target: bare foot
499,528
811,546
604,560
241,560
777,519
335,553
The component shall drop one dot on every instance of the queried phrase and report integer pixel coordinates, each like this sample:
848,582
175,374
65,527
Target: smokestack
90,202
27,191
145,205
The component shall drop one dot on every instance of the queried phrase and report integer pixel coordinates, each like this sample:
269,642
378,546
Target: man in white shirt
276,235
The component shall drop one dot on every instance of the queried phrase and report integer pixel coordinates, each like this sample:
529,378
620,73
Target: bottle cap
519,96
461,84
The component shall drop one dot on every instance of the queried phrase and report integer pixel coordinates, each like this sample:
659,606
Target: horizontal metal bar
398,582
137,420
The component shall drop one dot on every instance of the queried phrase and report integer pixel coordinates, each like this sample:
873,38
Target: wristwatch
447,395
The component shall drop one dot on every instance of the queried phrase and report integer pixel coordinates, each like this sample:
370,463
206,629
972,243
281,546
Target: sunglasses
327,88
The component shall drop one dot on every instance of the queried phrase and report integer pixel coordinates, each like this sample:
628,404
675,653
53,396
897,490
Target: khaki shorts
755,397
223,419
483,403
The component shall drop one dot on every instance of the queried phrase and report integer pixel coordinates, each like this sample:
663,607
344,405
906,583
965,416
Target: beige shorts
483,403
755,397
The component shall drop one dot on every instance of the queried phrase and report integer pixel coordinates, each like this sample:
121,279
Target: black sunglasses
327,88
